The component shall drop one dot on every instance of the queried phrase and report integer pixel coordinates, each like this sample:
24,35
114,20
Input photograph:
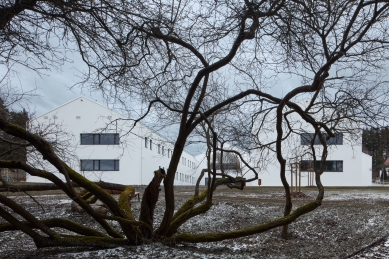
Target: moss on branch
57,223
190,203
124,201
182,218
198,238
77,241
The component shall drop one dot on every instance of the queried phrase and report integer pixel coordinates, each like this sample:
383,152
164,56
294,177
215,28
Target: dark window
87,165
159,149
226,166
330,165
86,139
100,139
146,141
306,138
163,150
99,165
151,144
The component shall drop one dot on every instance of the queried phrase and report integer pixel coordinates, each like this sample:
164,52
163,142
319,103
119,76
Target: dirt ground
349,220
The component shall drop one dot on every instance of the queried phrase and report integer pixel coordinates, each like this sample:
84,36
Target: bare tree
188,61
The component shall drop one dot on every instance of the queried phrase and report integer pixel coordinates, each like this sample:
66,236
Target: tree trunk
149,200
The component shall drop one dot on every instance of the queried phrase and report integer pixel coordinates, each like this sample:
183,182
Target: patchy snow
347,221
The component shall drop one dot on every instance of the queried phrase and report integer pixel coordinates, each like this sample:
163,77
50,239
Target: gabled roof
81,97
113,111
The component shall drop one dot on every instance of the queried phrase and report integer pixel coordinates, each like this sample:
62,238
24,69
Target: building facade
108,147
346,163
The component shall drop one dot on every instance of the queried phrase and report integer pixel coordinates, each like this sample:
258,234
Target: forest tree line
375,142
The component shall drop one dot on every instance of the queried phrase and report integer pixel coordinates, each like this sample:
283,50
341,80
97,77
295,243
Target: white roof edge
366,154
56,108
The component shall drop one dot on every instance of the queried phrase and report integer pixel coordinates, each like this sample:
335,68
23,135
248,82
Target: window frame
306,138
97,165
339,165
96,139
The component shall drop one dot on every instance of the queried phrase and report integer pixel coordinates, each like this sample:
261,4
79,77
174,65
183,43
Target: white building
108,148
346,164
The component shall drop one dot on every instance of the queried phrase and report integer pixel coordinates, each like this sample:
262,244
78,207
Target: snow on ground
348,220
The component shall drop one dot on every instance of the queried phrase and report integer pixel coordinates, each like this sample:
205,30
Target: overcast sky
54,88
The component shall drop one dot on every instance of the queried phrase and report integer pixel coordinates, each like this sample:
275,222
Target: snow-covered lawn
348,220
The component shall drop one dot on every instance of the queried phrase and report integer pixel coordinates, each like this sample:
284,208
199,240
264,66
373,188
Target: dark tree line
376,142
13,148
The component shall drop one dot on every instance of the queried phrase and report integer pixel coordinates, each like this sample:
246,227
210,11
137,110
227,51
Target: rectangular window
159,149
99,165
306,138
168,153
99,139
151,144
163,150
330,165
146,142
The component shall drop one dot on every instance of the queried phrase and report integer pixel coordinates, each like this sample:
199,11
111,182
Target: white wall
356,164
137,163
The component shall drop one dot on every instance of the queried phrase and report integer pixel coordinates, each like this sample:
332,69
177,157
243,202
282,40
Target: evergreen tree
384,175
12,148
376,140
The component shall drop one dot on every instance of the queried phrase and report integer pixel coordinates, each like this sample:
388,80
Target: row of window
99,139
169,152
188,163
330,165
161,149
227,166
113,165
185,178
113,139
306,139
99,165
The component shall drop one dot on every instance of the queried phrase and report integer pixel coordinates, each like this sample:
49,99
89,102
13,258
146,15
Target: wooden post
299,176
291,177
295,171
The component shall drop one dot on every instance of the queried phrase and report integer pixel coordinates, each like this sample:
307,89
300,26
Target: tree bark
52,186
149,200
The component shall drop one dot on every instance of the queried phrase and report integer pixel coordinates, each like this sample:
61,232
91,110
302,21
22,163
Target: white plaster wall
356,164
137,163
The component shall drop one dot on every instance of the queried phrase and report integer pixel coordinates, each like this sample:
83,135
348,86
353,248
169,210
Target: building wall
356,164
136,162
